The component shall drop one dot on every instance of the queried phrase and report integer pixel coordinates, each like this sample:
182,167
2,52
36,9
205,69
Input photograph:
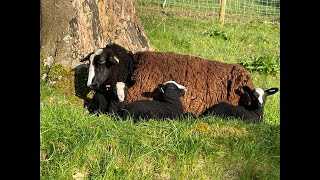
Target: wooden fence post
222,11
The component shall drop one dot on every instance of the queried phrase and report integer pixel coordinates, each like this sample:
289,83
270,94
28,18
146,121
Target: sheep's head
172,89
100,62
258,96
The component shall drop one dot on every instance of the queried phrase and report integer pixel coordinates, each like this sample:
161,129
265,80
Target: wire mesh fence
209,9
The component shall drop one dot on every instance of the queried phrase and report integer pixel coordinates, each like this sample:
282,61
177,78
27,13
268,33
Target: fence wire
209,9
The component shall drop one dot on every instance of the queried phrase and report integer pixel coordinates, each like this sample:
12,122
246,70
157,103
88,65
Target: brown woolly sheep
208,81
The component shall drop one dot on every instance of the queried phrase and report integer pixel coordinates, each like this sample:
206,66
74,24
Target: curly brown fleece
208,82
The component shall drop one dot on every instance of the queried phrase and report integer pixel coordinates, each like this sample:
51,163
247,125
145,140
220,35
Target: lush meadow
76,144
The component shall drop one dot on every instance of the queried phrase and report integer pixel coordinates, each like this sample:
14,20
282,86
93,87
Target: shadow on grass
80,84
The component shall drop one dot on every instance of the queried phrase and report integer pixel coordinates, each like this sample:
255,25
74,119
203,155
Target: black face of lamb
170,91
255,96
258,96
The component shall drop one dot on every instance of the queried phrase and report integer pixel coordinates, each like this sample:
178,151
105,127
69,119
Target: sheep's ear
87,57
114,59
98,52
92,55
246,89
271,91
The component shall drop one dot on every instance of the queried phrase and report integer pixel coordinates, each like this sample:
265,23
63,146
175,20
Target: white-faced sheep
209,82
253,112
109,99
168,106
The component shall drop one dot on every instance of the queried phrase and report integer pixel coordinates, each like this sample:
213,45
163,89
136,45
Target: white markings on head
91,67
178,85
120,91
91,70
260,92
98,52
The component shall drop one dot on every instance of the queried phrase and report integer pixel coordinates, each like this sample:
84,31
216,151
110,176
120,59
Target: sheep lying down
253,112
169,104
209,81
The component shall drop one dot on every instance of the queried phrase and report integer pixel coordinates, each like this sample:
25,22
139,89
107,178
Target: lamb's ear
271,91
183,92
181,87
114,59
246,89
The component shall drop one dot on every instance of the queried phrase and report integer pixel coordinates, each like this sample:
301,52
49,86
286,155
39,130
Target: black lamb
110,99
167,106
252,113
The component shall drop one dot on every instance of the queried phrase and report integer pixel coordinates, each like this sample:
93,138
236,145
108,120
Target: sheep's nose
93,86
121,97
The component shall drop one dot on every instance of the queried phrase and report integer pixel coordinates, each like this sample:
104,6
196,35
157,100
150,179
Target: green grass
75,143
229,43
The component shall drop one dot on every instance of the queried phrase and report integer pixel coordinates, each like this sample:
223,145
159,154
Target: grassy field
77,145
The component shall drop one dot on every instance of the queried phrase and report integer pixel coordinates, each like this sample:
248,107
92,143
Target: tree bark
71,29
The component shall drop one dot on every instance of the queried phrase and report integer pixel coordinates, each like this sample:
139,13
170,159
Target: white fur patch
120,91
178,85
260,92
91,70
91,67
98,52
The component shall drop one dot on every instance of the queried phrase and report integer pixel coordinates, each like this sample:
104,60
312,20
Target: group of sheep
150,84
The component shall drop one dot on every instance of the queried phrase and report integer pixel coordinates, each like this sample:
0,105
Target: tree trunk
70,29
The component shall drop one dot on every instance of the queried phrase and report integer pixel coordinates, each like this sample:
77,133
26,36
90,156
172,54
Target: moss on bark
69,81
